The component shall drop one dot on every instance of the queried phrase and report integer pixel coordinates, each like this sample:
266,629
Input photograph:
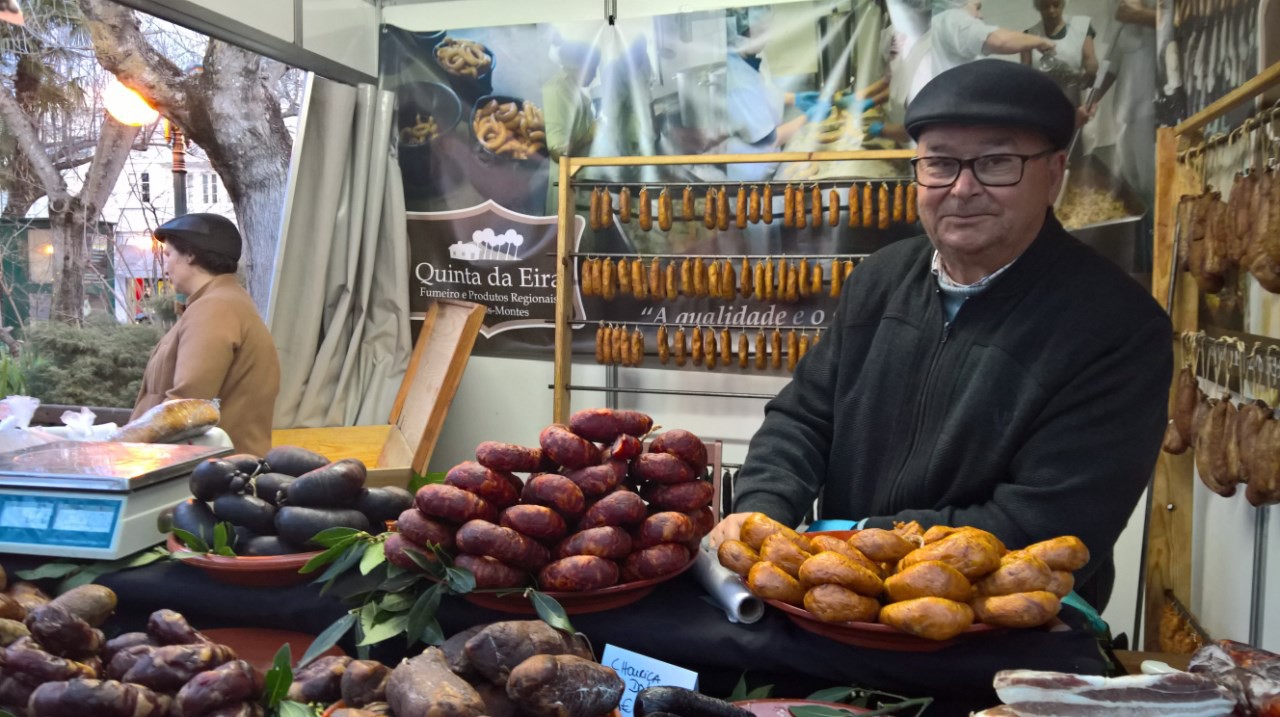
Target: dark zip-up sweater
1037,412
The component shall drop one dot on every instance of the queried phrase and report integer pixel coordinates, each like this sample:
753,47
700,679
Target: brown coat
219,349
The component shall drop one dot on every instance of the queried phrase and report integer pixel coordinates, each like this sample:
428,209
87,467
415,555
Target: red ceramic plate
580,602
782,708
258,646
253,571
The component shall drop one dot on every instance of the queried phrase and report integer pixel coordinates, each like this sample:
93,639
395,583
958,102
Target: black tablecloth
676,623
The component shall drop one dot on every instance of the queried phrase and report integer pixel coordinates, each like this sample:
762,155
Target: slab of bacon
1252,675
1032,693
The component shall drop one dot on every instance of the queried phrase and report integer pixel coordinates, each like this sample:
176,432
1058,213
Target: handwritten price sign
639,673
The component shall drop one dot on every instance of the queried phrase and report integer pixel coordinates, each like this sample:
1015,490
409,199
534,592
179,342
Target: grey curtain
339,305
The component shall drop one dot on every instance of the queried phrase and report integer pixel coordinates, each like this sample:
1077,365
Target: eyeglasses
991,170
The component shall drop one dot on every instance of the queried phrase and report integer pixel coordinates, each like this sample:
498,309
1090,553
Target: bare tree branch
29,137
114,144
124,50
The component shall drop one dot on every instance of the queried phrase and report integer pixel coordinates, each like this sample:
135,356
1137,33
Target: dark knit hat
994,92
211,232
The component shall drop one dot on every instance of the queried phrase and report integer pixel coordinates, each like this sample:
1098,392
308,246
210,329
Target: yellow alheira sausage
753,207
762,350
867,205
713,278
802,220
600,337
637,347
848,269
758,278
804,346
608,283
788,207
837,278
655,278
726,348
624,205
793,283
854,214
911,203
595,208
781,273
673,290
639,278
775,349
815,283
768,279
585,285
766,204
793,350
885,212
682,353
664,345
833,208
899,198
699,277
817,206
621,347
695,346
709,211
744,348
722,209
744,279
664,210
686,277
709,347
803,278
646,210
624,277
607,349
740,218
816,335
606,208
686,204
728,282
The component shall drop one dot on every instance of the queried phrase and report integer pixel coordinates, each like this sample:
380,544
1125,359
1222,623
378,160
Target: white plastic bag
80,427
15,422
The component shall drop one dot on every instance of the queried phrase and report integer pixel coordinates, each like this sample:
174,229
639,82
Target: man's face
1050,9
968,218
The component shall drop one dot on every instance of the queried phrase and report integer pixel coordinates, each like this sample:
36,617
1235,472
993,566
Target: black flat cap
994,92
211,232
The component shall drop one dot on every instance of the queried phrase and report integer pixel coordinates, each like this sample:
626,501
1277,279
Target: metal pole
1258,598
179,170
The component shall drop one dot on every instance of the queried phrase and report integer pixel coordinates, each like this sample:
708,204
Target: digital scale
88,499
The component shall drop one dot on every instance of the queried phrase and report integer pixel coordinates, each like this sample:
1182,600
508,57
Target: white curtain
339,305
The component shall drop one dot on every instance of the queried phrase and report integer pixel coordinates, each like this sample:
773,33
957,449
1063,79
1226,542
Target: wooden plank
565,225
419,348
1254,87
363,442
1164,210
685,159
435,383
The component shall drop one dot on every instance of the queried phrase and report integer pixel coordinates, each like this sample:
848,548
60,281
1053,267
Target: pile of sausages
762,279
615,345
869,206
1233,445
597,508
1243,233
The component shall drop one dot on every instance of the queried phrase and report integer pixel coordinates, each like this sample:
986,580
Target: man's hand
728,529
1048,47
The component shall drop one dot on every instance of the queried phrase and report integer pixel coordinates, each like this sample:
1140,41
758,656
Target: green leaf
831,694
760,692
225,551
183,554
57,569
739,690
332,536
384,630
6,713
421,560
432,634
396,602
341,565
818,711
549,610
368,618
145,557
327,639
289,708
374,556
191,540
460,580
420,480
892,708
423,611
220,536
329,555
278,678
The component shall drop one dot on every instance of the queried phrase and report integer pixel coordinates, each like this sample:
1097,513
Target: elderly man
995,373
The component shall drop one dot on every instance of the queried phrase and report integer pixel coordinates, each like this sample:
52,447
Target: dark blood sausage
508,457
683,445
480,537
623,448
568,449
665,527
704,519
396,547
491,572
662,468
680,497
493,486
618,508
606,424
654,562
556,492
598,480
578,573
420,530
536,521
453,504
607,541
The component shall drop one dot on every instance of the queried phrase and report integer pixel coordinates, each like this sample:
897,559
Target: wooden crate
394,451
